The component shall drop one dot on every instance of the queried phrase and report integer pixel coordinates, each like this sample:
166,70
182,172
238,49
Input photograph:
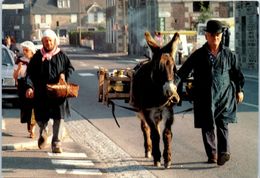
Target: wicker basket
62,90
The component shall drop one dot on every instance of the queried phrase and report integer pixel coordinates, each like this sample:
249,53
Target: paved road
119,152
189,157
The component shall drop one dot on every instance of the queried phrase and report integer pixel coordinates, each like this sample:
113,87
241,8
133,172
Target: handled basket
62,89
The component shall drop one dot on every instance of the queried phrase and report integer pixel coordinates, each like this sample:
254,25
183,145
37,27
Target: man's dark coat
215,85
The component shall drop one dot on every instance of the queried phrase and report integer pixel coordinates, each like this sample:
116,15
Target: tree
205,13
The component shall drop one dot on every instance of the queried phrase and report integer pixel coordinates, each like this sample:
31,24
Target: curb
33,144
19,146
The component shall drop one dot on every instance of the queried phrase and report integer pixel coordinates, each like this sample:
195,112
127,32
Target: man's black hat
214,26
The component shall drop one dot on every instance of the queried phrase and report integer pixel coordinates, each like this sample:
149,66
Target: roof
50,7
92,6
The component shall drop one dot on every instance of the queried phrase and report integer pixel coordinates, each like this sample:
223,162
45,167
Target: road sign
13,6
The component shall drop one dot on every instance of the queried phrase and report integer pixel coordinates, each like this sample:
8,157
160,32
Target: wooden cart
114,85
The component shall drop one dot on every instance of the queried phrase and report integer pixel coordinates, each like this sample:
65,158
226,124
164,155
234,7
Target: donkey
153,94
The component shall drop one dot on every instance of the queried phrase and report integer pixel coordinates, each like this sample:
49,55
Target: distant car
37,44
9,88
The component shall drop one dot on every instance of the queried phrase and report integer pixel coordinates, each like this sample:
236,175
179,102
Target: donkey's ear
172,46
150,41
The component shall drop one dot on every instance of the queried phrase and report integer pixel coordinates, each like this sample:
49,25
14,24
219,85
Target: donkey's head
164,64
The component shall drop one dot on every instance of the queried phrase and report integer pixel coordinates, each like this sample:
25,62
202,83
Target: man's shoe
212,159
56,150
42,142
223,158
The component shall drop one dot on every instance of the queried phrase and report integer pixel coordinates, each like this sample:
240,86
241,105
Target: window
22,20
73,18
198,4
91,18
37,19
63,3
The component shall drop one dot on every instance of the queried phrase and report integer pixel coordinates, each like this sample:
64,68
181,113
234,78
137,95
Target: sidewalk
16,137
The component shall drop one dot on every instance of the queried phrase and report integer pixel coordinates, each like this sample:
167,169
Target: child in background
26,105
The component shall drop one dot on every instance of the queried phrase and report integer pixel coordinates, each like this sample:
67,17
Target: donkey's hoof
157,164
167,165
148,154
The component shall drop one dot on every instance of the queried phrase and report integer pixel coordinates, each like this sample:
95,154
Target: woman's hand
29,93
62,77
17,71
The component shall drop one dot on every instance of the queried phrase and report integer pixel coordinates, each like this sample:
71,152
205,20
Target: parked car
9,88
37,44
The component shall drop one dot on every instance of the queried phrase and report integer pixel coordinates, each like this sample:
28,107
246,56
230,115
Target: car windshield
6,59
37,42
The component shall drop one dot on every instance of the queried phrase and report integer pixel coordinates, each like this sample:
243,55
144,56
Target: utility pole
79,22
124,24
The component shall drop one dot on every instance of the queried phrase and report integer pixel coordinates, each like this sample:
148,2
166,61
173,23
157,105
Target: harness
170,101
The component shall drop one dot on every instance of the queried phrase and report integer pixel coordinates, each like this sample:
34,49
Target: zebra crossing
73,164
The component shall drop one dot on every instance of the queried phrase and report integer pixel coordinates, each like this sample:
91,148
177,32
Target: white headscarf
29,45
48,55
51,34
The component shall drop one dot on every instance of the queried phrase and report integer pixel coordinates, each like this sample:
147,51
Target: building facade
247,36
116,25
167,15
62,16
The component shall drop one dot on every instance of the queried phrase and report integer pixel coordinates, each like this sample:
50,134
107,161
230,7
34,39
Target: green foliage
205,13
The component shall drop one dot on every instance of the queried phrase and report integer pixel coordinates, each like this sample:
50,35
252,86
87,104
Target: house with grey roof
61,16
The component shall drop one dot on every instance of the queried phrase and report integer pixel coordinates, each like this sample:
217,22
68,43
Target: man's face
213,39
48,43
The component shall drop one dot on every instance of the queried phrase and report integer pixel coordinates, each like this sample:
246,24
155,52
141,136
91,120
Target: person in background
217,89
10,43
26,105
159,38
48,66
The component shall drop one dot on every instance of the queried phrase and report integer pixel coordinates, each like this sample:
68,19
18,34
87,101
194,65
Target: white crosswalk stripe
79,171
76,159
68,154
73,162
86,74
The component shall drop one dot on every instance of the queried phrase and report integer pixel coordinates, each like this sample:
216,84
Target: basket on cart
114,85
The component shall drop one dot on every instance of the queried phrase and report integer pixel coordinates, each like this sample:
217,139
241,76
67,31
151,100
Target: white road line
86,74
252,105
73,162
83,64
81,55
79,171
66,154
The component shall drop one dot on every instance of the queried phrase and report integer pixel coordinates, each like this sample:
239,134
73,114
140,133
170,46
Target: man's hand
29,93
240,97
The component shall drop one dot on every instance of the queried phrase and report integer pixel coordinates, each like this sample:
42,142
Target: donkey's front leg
153,118
167,137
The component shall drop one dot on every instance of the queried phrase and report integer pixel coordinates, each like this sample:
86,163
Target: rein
167,103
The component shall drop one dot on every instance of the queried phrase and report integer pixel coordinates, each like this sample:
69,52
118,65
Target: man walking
218,87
